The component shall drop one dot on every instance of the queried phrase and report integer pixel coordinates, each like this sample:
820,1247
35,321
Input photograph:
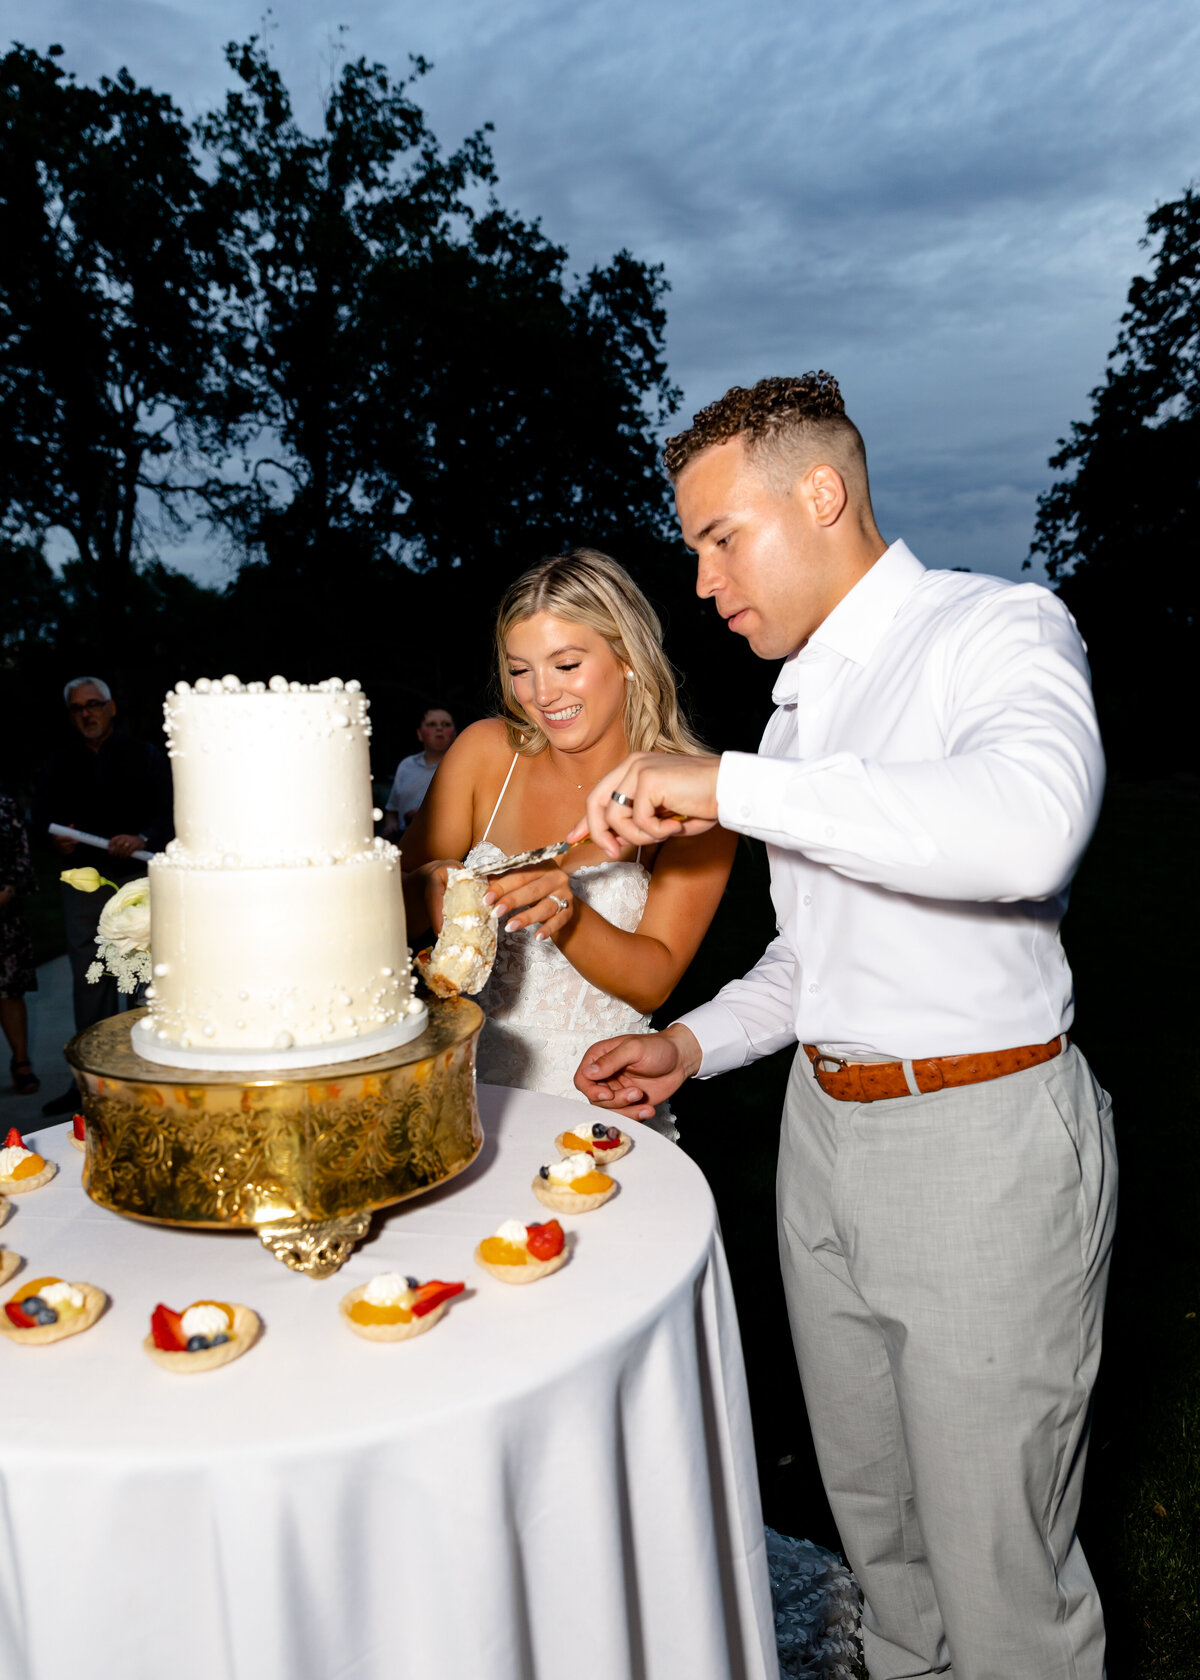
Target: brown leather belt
864,1082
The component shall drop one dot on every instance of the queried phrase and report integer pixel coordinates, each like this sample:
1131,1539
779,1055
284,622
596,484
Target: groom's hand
651,797
630,1076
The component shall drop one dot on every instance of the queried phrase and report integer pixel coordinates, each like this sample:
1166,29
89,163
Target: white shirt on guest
410,785
926,789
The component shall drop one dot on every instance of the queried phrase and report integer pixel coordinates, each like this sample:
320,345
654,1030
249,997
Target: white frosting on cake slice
462,959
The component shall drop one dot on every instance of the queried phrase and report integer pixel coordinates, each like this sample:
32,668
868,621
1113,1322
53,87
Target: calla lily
85,880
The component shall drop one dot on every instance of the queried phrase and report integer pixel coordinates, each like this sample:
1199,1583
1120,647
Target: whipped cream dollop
512,1231
61,1295
11,1158
205,1319
575,1166
388,1289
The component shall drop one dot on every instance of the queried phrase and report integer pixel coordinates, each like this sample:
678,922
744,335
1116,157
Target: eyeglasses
75,708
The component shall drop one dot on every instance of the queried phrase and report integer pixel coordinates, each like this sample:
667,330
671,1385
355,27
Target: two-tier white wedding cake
277,921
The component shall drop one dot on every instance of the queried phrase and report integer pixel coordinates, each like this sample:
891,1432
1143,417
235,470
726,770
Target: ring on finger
620,798
563,904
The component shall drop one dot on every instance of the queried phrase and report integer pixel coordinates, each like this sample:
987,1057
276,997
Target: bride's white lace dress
541,1013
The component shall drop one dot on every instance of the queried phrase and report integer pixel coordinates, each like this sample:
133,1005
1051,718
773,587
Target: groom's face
760,553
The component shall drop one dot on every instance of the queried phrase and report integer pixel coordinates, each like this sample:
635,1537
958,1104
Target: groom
946,1186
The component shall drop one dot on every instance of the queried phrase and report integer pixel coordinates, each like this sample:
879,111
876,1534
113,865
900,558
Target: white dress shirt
926,788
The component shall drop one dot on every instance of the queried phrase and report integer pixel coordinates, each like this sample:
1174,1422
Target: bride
590,949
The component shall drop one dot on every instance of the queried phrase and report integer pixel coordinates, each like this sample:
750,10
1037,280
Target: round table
557,1480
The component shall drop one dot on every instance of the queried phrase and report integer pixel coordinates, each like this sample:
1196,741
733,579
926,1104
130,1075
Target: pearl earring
629,676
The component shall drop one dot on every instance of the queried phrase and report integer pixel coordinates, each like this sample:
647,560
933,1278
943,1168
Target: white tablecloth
557,1481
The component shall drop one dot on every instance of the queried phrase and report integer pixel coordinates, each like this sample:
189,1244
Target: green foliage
1118,531
404,361
103,312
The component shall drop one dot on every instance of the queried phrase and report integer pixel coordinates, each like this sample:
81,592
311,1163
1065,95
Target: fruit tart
573,1185
78,1138
522,1253
392,1308
8,1264
20,1168
594,1138
46,1310
202,1336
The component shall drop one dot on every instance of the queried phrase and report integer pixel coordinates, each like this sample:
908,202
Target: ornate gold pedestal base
302,1158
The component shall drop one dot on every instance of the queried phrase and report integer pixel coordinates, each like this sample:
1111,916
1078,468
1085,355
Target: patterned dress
17,973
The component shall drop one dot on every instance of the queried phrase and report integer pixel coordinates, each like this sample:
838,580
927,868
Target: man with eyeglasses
102,781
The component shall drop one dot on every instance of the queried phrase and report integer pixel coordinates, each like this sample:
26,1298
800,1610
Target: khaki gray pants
945,1260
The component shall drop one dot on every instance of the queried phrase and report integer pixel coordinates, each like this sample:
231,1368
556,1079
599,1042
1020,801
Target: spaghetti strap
500,801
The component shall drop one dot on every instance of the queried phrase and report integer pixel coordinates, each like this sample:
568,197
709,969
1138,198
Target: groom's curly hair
782,420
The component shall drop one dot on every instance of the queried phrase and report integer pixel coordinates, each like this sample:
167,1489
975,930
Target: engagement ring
620,799
561,902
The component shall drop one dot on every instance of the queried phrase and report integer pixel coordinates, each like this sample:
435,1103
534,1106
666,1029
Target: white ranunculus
85,880
125,919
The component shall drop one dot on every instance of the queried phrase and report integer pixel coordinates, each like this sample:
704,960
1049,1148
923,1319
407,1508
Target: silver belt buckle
837,1064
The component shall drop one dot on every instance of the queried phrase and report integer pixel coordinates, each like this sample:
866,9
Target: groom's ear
823,492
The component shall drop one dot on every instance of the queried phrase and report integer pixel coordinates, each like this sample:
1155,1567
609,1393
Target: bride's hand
433,879
527,896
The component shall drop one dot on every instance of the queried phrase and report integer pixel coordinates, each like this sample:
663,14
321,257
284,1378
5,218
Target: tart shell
570,1201
398,1332
18,1186
530,1272
586,1146
246,1327
94,1303
77,1143
9,1262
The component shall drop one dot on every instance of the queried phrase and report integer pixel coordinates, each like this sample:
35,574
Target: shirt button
807,899
813,987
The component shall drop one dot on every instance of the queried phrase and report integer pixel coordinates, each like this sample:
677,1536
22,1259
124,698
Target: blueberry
599,1129
412,1283
218,1339
197,1343
45,1314
32,1304
613,1133
543,1172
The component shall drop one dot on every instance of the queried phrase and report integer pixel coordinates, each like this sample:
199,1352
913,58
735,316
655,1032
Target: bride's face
566,678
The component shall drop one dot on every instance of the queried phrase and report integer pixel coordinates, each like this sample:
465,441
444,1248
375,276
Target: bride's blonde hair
587,587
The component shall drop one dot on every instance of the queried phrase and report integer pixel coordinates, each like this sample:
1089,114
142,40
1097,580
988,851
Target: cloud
940,202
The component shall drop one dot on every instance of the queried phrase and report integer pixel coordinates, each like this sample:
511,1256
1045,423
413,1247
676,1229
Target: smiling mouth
565,716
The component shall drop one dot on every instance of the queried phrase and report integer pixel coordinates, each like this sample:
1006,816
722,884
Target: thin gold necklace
577,785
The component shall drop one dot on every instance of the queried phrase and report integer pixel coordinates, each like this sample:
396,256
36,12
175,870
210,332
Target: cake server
526,860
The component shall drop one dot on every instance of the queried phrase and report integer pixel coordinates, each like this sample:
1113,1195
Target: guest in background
436,734
17,973
104,782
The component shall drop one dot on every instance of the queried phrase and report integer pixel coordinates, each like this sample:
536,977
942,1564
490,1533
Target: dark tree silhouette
1118,531
103,316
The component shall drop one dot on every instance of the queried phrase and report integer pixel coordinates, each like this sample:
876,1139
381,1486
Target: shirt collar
860,620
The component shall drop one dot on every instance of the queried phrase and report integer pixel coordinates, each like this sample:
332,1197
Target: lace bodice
541,1014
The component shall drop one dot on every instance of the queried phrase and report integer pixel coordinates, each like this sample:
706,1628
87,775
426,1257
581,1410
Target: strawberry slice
432,1294
14,1140
21,1319
544,1241
166,1327
77,1125
606,1143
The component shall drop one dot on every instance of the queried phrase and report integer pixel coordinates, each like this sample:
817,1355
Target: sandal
25,1081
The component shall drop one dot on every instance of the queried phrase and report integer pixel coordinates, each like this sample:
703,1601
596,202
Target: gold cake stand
303,1157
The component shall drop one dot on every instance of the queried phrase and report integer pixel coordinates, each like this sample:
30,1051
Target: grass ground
1132,934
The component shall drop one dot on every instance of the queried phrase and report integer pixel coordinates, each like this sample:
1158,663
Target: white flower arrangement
123,931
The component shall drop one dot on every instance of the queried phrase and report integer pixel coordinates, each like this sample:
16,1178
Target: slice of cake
462,959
